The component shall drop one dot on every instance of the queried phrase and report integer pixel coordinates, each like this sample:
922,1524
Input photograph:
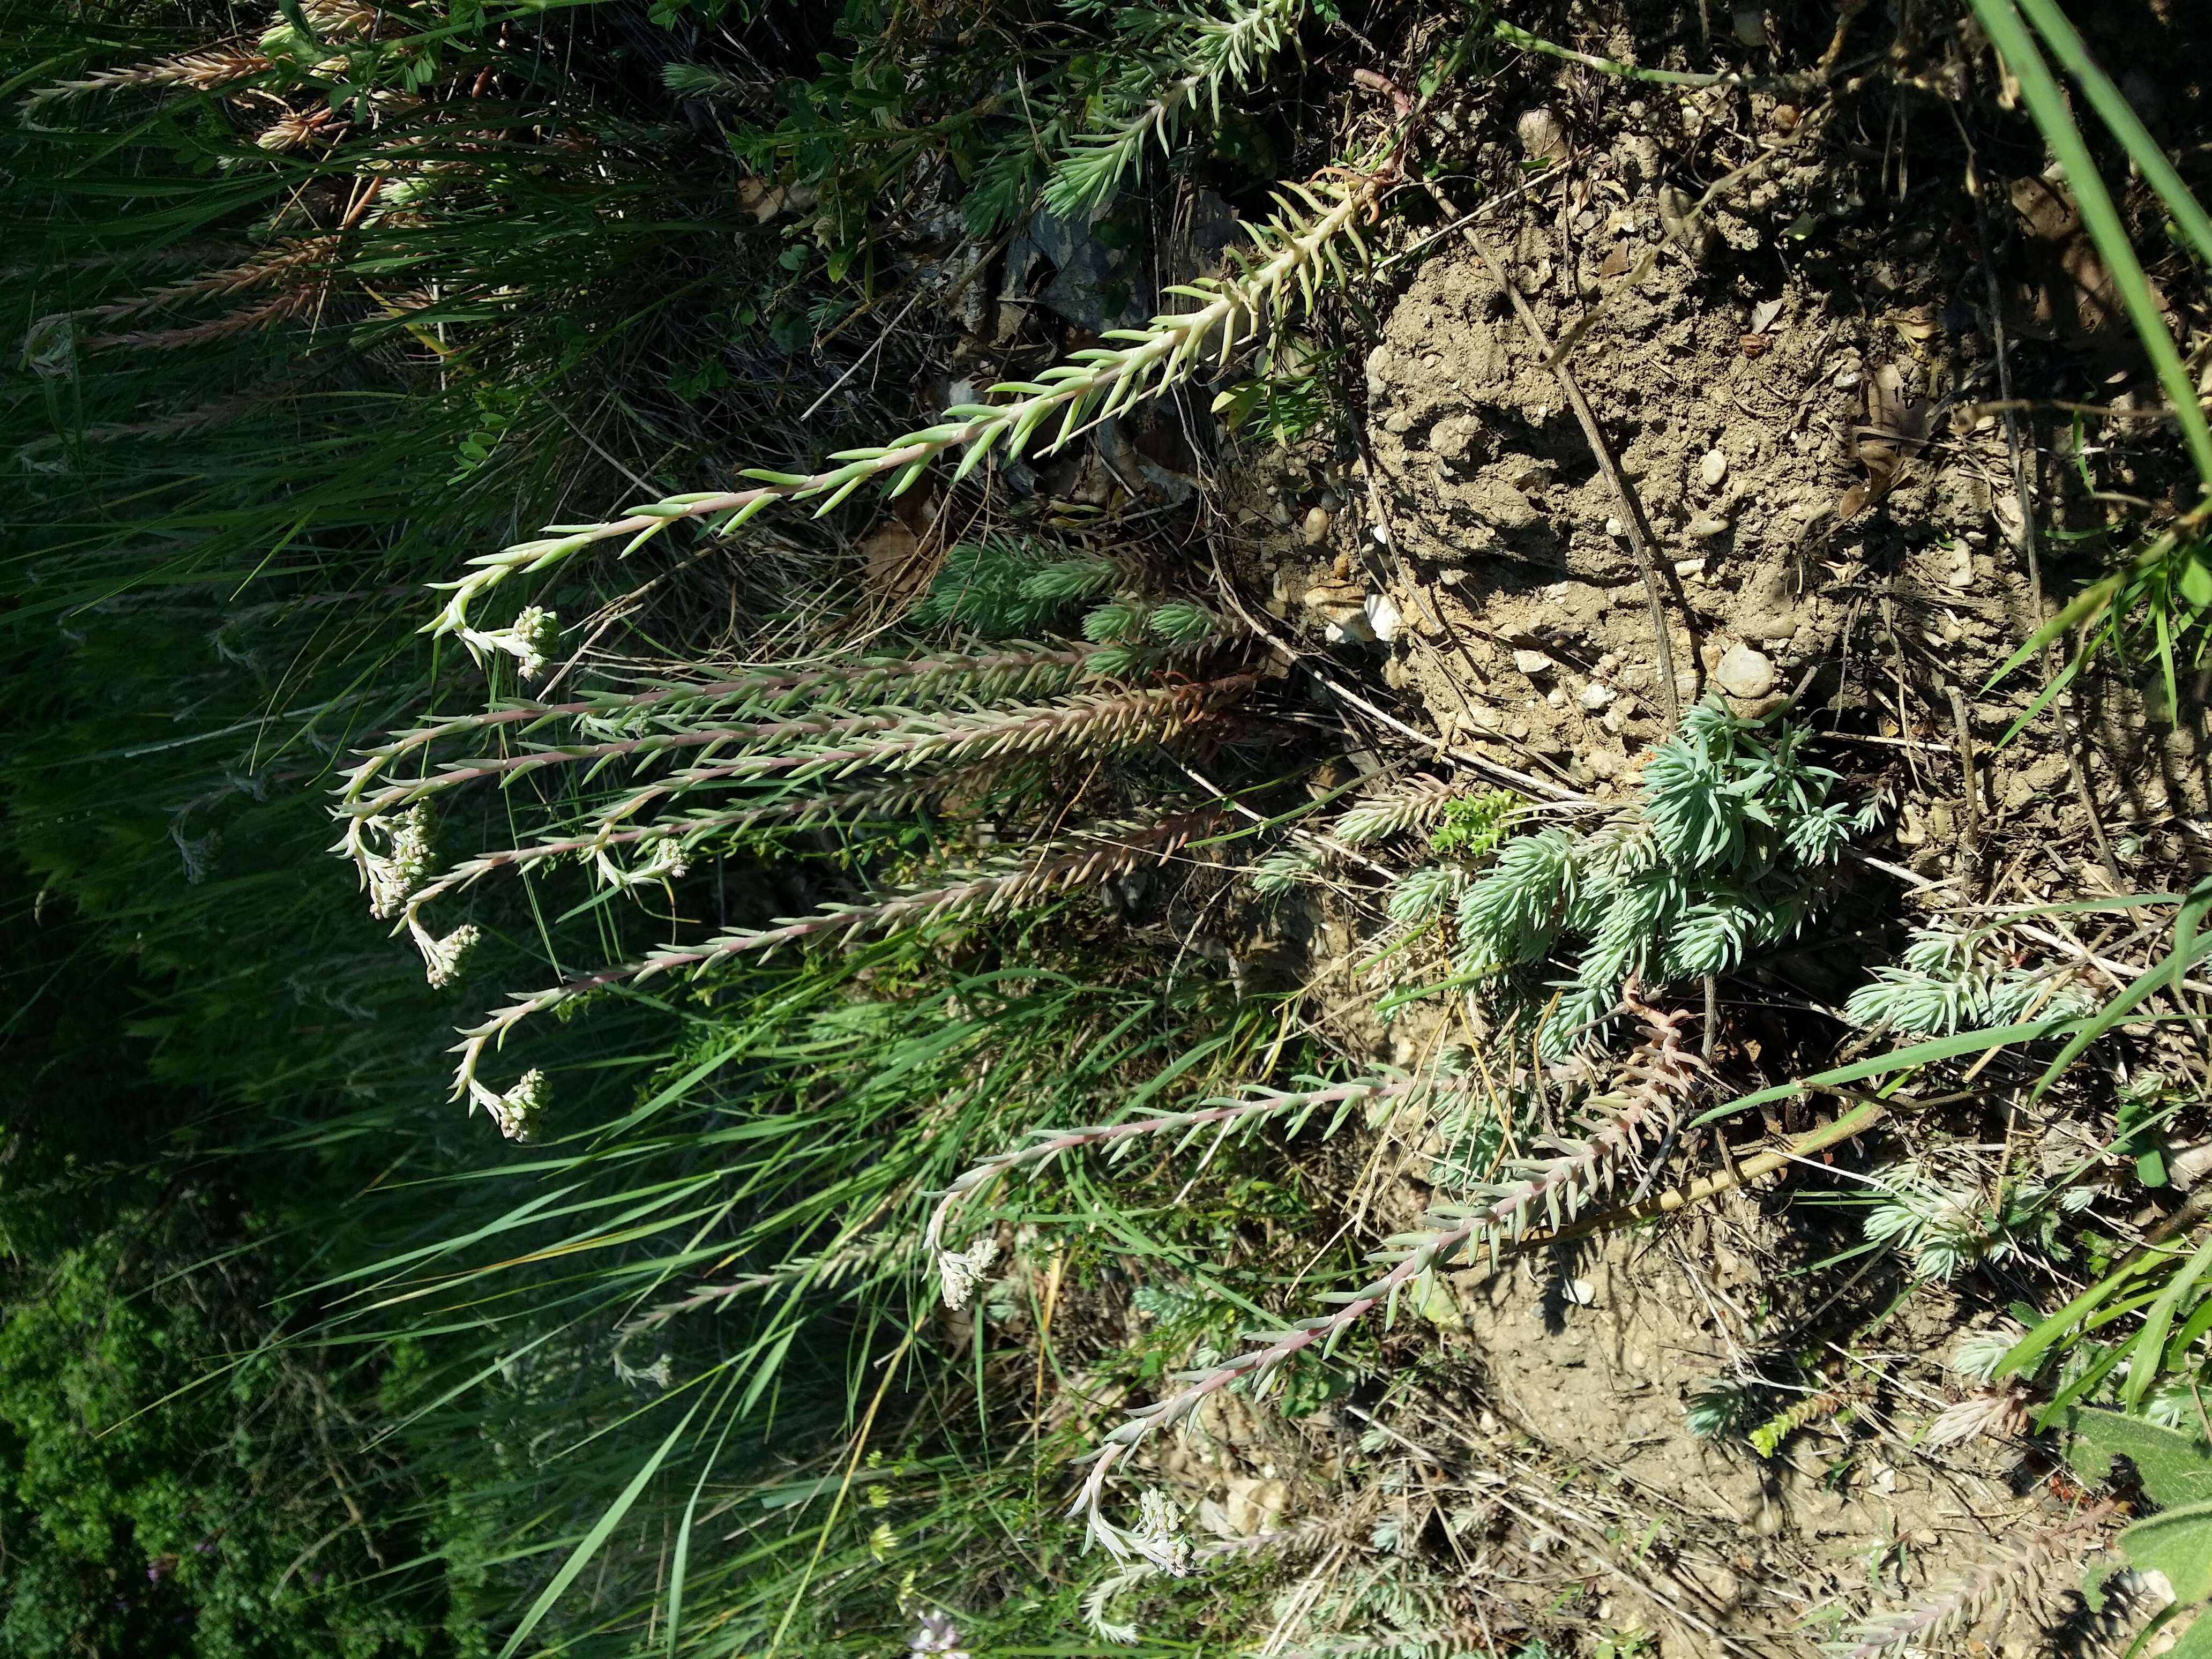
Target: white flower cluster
960,1272
399,869
938,1635
443,957
531,640
518,1111
1158,1535
664,861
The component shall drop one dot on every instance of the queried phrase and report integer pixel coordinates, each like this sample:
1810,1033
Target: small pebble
1595,697
1385,617
1713,469
1744,672
1532,663
1705,526
1614,527
1315,527
1686,569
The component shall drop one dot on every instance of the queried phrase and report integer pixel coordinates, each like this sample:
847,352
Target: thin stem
1022,666
1662,1072
1055,869
1099,383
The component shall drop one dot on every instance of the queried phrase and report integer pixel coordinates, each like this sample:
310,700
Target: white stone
1385,617
1713,469
1314,528
1532,663
1596,696
1744,672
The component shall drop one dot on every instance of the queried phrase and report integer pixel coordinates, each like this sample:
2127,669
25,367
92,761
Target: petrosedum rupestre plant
651,779
1725,851
1640,1104
1292,258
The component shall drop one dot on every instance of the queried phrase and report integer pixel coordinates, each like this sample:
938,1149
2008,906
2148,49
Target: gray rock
1744,672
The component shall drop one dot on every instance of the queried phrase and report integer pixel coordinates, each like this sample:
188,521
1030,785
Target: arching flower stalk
1227,1115
1648,1090
805,750
1001,673
1057,868
284,261
194,72
1291,256
890,801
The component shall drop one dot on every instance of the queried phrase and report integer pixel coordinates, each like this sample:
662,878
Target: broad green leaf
2195,1641
2178,1544
2176,1468
2197,580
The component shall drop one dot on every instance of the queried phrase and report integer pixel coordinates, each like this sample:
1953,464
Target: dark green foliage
165,1490
1002,587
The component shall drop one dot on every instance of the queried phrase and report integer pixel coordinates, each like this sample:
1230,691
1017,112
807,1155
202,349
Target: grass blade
1898,1060
2116,112
2046,103
2149,1348
581,1556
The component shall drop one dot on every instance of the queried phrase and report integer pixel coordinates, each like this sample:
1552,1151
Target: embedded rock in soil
1744,672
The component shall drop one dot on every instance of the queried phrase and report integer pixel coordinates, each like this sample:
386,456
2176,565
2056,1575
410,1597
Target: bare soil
1796,374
